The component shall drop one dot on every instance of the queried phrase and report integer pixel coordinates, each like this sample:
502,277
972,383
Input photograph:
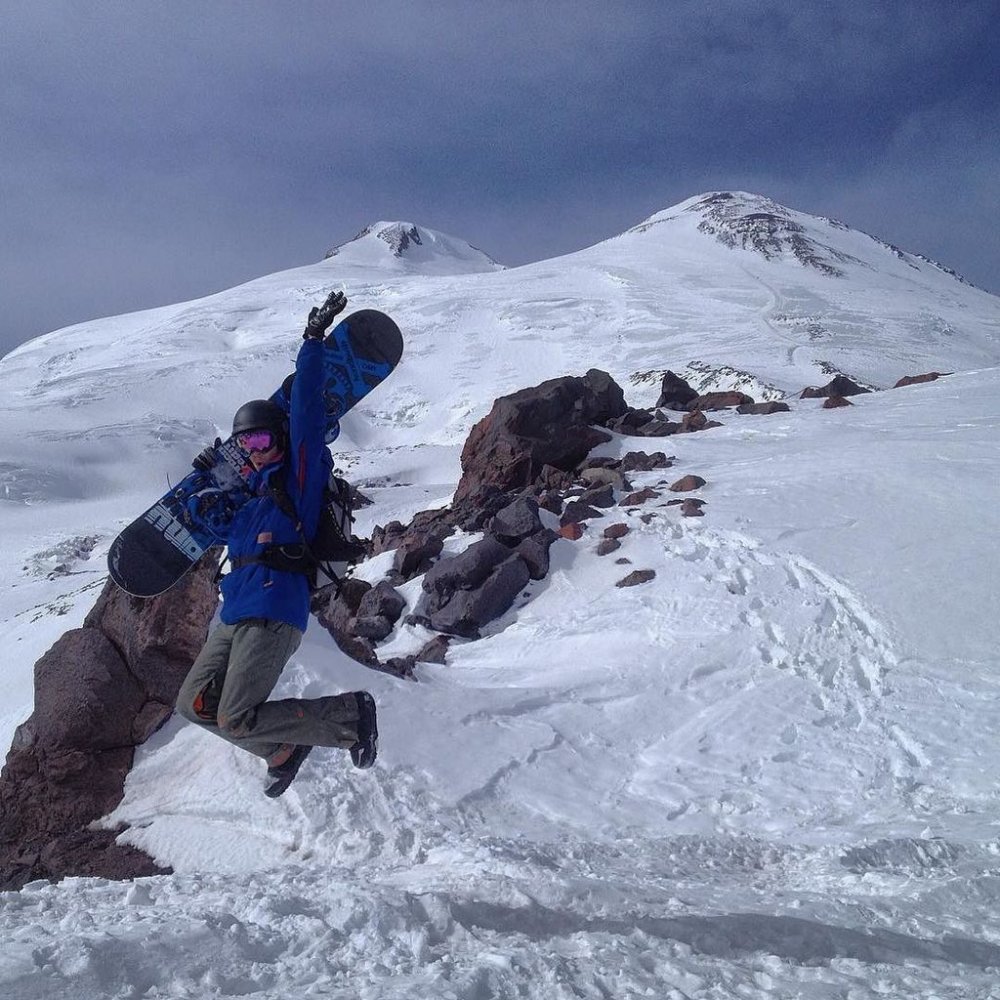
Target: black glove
321,319
206,457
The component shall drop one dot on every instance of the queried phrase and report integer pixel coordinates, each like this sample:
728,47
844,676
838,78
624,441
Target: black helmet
258,414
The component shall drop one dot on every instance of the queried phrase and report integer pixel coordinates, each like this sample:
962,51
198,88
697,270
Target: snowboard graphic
163,543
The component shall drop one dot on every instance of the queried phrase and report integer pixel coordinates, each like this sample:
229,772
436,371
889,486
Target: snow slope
767,773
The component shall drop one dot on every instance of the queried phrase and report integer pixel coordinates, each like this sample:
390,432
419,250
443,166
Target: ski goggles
262,440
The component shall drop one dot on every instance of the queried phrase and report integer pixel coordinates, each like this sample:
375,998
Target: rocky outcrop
100,691
763,409
674,391
833,402
919,379
551,424
839,386
720,400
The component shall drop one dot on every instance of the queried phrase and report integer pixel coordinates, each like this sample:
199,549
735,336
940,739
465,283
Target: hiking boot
364,752
280,777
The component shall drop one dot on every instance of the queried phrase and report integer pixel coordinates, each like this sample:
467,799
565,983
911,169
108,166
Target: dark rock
691,501
599,496
551,478
399,666
637,577
516,521
387,537
382,601
832,402
624,561
573,531
689,508
839,386
576,511
720,400
435,650
534,550
100,691
608,545
469,610
917,379
675,390
687,483
640,497
338,615
415,554
764,409
550,424
374,627
551,502
640,461
466,571
657,428
619,530
630,421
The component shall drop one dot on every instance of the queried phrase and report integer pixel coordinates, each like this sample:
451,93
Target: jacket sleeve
307,431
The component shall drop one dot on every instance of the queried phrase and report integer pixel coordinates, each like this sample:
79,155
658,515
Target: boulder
515,522
466,571
619,530
764,409
576,511
720,400
607,546
534,551
697,421
469,610
839,386
573,531
100,691
550,424
599,496
636,577
382,600
415,553
674,390
637,498
691,508
687,483
641,461
435,650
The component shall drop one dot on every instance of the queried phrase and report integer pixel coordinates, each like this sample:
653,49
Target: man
265,610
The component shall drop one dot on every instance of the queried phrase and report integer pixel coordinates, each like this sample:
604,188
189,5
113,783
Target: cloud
162,151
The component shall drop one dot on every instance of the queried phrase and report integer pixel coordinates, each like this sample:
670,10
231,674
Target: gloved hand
206,458
321,319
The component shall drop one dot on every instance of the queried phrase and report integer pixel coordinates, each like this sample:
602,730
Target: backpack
331,551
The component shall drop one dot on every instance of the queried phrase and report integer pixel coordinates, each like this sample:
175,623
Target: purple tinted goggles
262,440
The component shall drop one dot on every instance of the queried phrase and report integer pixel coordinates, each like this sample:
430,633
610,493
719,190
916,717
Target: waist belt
293,558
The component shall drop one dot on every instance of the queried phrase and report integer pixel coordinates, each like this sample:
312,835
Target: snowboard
159,547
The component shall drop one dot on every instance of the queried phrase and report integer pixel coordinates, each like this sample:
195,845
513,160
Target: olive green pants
227,688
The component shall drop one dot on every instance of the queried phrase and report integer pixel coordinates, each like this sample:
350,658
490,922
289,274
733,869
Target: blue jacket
255,591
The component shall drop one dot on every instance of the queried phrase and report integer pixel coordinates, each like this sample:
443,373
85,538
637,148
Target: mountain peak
746,221
405,246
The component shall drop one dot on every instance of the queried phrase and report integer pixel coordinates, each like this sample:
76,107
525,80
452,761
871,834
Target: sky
155,152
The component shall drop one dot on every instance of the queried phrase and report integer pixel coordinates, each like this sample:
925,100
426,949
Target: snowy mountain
403,247
765,773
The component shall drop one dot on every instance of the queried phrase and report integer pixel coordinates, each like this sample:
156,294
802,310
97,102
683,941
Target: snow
769,772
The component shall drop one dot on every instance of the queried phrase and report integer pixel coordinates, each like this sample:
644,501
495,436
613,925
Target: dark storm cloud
160,151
